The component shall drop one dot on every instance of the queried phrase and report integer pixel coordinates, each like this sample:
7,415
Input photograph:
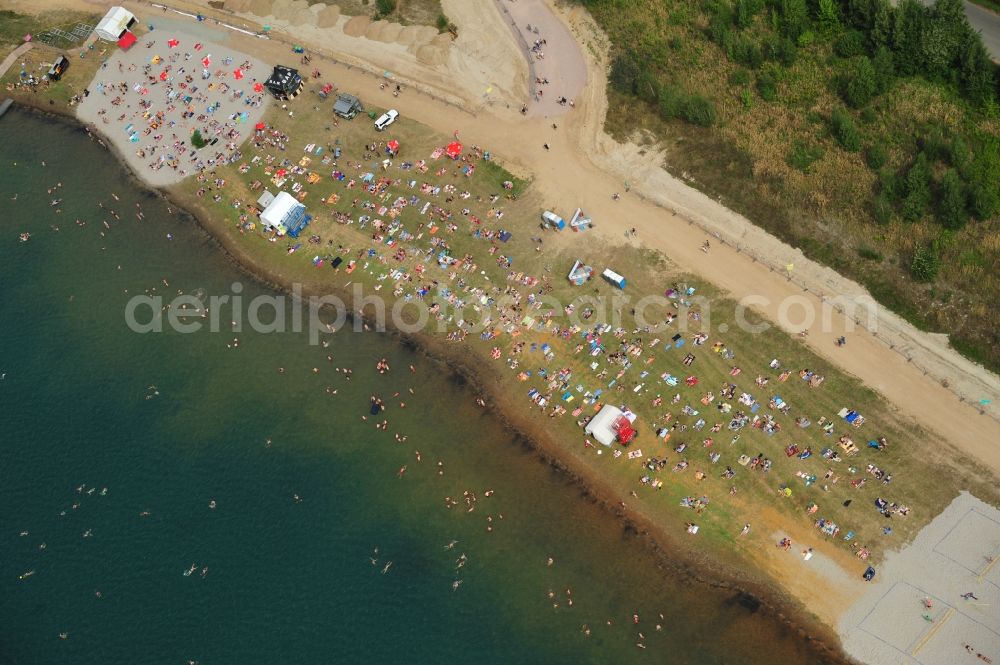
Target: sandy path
14,55
558,61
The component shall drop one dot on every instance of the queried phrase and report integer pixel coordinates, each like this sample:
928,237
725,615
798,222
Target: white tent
285,214
601,426
114,23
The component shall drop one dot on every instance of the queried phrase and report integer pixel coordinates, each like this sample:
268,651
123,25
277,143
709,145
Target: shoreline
672,555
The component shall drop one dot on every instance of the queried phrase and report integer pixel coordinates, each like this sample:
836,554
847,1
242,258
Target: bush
876,157
699,110
767,86
843,129
442,22
925,263
794,18
860,85
197,140
850,44
385,7
670,103
739,78
917,187
882,210
951,207
624,73
869,254
802,156
746,10
983,201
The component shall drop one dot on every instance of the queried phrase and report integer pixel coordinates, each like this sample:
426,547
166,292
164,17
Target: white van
386,119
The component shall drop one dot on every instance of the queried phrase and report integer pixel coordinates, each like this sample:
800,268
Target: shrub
850,44
802,156
918,192
624,73
806,38
843,129
984,200
385,7
860,84
869,254
885,70
925,263
882,210
670,103
197,140
746,10
876,157
442,22
767,86
794,18
699,110
739,78
951,206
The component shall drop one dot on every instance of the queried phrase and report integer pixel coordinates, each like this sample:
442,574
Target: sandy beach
149,100
157,157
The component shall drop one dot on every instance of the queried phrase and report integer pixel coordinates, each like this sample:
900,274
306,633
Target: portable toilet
552,220
614,278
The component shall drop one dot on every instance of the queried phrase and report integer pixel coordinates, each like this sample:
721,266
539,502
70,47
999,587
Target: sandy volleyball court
150,99
936,600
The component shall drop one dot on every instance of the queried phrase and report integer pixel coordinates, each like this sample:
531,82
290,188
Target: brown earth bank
464,366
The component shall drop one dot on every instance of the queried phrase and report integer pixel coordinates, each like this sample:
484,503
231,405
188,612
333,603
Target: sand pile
432,54
408,35
389,33
280,9
327,16
301,13
357,26
260,7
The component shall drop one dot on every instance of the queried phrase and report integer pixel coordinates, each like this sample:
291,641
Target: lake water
168,423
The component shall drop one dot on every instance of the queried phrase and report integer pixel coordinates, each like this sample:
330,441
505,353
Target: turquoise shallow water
170,422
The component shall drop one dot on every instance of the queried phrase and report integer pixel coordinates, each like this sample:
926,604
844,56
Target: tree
885,70
794,18
951,207
917,187
827,15
624,73
850,44
196,139
977,74
907,36
860,87
882,19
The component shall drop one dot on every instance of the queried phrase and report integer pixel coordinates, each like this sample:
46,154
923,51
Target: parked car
386,119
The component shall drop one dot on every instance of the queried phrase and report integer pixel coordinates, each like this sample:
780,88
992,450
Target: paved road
988,24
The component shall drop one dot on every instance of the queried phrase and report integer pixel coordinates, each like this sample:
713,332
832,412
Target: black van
58,67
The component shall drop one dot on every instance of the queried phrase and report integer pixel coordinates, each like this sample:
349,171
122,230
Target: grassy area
14,26
39,59
818,122
395,261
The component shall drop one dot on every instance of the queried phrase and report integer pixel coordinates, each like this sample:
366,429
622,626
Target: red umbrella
163,75
238,74
393,145
258,87
454,149
260,127
207,60
172,43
